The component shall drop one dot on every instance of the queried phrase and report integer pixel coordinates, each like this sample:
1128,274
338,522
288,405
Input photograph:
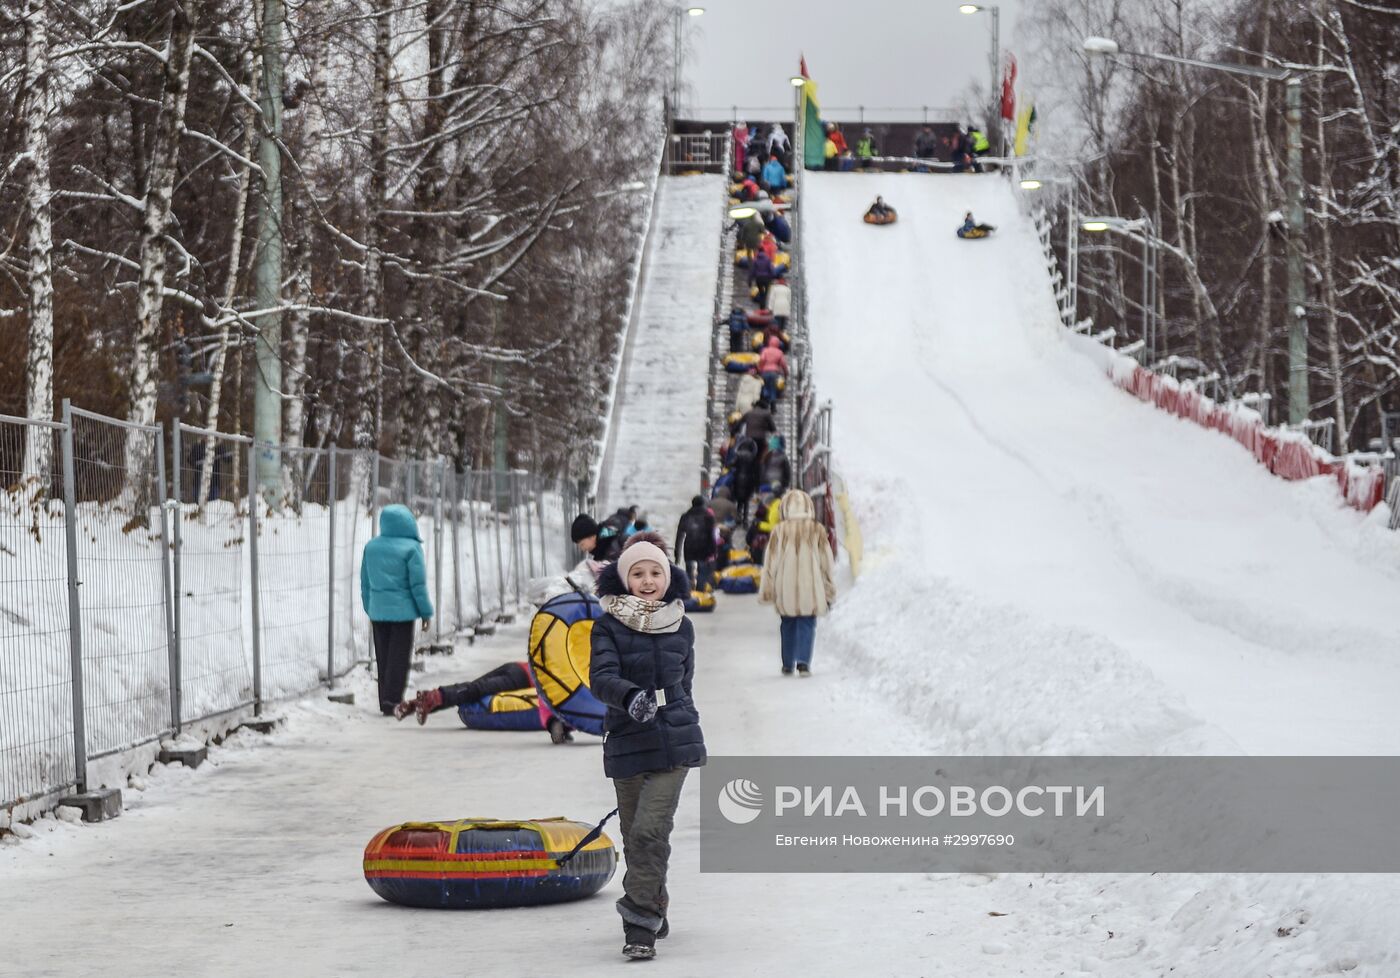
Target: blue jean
770,385
798,633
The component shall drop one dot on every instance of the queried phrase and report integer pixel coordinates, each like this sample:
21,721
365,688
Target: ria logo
740,801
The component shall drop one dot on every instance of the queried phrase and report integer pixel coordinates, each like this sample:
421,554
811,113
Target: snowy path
251,865
661,426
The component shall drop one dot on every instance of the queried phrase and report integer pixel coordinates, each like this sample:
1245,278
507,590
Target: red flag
1008,88
802,62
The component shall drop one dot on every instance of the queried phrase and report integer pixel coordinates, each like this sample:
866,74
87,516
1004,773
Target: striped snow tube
516,709
476,863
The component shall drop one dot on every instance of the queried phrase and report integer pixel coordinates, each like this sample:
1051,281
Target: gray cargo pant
646,807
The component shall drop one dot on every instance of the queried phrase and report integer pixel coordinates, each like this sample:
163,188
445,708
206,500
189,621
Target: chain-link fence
174,602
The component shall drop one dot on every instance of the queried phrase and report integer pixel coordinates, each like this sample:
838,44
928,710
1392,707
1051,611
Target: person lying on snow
879,209
643,662
969,225
502,679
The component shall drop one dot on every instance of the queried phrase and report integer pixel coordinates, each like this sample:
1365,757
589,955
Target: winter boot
423,704
787,670
558,732
804,670
638,942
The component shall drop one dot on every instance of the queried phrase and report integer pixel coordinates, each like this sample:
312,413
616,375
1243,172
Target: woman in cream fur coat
797,579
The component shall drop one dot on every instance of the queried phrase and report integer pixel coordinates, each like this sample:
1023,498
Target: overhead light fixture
695,11
969,8
1100,45
1095,225
1030,184
742,213
797,81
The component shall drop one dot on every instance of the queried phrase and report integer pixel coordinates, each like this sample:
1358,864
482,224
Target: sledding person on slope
797,579
879,209
643,663
971,229
394,591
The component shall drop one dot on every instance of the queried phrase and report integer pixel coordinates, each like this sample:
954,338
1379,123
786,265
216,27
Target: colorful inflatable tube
740,580
516,709
477,863
888,218
700,602
561,649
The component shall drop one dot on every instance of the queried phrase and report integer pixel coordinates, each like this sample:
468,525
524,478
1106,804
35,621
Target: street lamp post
1149,271
678,53
798,129
994,116
1298,399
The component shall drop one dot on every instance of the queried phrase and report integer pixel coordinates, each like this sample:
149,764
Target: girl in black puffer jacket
642,666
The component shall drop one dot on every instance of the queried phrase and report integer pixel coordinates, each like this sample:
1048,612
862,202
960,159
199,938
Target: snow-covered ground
1051,567
660,436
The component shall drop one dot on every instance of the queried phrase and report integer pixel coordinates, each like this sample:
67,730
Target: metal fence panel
352,529
123,570
294,579
36,679
213,619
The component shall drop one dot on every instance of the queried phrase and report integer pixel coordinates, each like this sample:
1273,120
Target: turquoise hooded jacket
393,573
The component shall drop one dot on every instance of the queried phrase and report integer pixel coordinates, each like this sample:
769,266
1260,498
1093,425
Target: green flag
813,135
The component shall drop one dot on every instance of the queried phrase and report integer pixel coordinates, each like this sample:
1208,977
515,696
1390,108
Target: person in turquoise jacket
394,591
774,177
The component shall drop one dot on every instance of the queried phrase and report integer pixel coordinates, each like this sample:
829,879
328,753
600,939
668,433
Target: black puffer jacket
625,661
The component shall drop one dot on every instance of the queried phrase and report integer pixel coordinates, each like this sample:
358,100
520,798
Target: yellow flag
1024,122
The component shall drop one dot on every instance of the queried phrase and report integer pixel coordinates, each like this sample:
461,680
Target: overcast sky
893,53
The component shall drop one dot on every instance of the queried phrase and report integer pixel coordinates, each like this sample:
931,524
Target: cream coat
749,391
797,564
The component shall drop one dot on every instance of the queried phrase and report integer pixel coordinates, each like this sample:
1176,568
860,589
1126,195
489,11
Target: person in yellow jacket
797,579
830,152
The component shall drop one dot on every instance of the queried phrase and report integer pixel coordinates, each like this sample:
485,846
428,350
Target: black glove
641,705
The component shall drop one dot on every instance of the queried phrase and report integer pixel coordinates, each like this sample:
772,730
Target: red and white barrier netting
1285,453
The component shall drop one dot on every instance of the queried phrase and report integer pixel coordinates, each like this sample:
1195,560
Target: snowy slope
1132,576
661,419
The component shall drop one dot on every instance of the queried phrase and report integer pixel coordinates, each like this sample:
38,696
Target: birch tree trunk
240,214
370,417
165,156
38,374
372,413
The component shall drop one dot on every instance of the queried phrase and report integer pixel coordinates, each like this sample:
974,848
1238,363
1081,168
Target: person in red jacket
772,364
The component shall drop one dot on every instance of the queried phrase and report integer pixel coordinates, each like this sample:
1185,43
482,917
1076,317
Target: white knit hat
643,550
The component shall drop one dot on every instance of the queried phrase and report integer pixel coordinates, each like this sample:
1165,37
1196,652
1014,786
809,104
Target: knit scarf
652,617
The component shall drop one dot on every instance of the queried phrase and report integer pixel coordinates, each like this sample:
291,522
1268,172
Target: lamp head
742,213
695,11
1095,225
1031,184
1100,45
968,8
797,81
